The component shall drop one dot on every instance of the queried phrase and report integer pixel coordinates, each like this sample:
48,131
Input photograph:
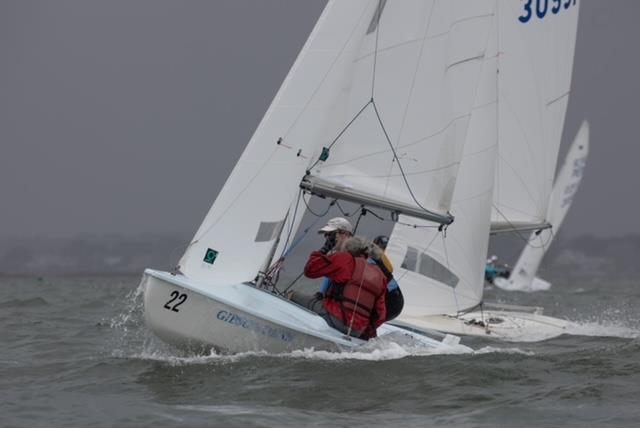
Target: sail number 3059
176,300
542,7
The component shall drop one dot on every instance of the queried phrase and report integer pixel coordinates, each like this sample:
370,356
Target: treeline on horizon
587,256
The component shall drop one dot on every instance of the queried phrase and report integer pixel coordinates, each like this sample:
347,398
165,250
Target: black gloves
329,243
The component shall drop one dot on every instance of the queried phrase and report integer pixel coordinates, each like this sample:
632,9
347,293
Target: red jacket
339,268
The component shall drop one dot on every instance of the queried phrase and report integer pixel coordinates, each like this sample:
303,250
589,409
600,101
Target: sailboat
523,275
441,272
391,104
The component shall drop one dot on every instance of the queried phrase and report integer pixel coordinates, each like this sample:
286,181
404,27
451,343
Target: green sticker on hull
210,256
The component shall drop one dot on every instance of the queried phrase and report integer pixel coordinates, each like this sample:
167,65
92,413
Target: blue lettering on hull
255,326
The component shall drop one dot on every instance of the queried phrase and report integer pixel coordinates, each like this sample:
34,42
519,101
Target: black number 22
181,297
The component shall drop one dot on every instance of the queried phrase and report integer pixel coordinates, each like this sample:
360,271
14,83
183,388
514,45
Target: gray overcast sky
125,117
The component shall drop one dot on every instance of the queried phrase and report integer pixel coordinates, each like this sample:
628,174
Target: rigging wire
395,156
384,130
293,222
335,140
343,212
446,256
527,241
284,292
274,270
332,203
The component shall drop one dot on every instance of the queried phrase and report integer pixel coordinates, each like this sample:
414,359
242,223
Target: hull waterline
240,318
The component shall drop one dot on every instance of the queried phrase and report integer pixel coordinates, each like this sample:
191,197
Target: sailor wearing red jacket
355,301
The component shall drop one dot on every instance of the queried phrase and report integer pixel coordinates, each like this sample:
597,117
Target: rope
315,214
363,212
446,256
293,221
342,132
515,231
395,156
343,212
284,292
355,306
300,238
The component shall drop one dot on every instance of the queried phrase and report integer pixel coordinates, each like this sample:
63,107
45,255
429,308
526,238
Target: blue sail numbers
540,8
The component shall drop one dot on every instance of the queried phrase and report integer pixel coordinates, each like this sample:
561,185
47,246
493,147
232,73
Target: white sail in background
536,49
238,233
441,273
420,63
523,275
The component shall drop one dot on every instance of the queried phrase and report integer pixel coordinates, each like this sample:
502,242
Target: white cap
337,223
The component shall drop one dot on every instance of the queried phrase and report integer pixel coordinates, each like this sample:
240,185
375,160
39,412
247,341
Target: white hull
511,326
240,318
537,284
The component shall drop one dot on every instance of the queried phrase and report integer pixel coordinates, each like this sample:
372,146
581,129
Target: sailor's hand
329,243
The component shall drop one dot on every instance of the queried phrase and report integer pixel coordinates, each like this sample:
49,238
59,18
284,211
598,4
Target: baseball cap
337,223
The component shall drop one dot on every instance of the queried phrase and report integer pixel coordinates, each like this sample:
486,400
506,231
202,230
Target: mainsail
441,272
535,59
438,270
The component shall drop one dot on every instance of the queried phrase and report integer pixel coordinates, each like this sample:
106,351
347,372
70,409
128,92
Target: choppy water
76,353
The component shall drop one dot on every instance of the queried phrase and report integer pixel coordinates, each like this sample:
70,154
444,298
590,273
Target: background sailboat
523,275
534,53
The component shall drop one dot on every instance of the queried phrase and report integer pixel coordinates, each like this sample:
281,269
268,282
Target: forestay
536,50
440,272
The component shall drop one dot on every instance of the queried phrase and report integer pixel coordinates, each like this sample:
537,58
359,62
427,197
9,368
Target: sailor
336,231
394,298
490,269
493,270
355,300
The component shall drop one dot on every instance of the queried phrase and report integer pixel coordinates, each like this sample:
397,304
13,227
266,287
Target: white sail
523,275
536,50
441,272
237,235
419,61
412,88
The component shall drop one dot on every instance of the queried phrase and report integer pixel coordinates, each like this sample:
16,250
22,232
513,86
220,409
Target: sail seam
410,41
558,98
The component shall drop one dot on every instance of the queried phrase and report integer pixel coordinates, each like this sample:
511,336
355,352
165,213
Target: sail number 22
176,300
542,7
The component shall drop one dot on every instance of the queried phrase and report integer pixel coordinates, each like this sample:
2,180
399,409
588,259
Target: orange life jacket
360,293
